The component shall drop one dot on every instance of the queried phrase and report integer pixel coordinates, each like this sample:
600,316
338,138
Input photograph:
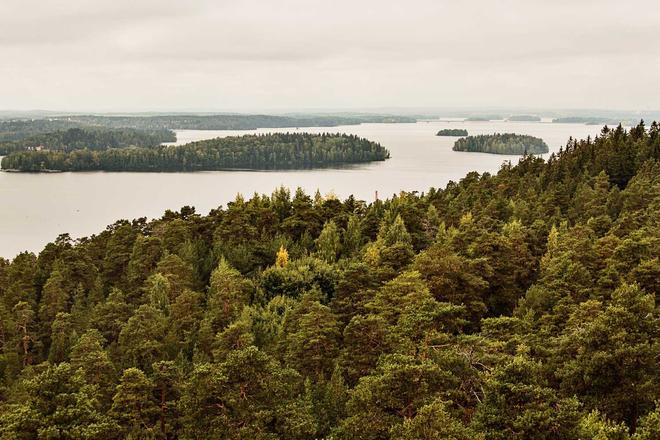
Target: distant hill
233,122
484,118
589,120
524,118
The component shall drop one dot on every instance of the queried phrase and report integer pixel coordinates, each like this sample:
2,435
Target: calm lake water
36,208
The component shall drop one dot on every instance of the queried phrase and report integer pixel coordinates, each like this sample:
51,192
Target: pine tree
62,338
57,404
229,291
89,356
352,240
142,338
25,332
518,401
328,244
434,422
134,406
312,339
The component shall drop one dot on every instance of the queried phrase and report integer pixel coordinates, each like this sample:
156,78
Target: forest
231,121
255,152
505,143
13,132
452,132
98,131
521,305
92,138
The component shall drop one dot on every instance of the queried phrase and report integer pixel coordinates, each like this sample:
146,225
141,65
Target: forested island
92,138
524,118
516,305
106,131
452,132
505,143
278,151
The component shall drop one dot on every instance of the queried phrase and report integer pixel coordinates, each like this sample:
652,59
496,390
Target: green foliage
608,355
516,305
452,132
328,245
93,131
433,422
263,152
91,138
134,405
396,390
506,143
520,403
57,404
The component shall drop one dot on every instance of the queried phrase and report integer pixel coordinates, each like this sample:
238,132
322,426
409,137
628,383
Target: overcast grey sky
130,55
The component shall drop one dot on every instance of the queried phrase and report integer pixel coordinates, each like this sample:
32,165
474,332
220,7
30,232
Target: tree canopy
516,305
92,138
452,132
255,152
506,143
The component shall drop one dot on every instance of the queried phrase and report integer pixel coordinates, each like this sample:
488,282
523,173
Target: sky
247,55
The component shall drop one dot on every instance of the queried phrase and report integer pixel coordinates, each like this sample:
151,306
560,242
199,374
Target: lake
36,208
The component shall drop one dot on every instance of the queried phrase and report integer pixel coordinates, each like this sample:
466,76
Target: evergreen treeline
452,132
92,138
22,129
506,143
269,152
589,120
517,305
232,121
12,132
484,118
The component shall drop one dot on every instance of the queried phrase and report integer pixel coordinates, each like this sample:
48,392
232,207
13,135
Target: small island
452,132
277,151
506,143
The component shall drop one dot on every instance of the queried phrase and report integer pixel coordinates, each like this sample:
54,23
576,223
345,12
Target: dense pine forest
452,132
19,134
14,130
506,143
92,138
517,305
257,152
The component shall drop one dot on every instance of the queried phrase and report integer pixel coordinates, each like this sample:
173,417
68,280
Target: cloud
149,54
